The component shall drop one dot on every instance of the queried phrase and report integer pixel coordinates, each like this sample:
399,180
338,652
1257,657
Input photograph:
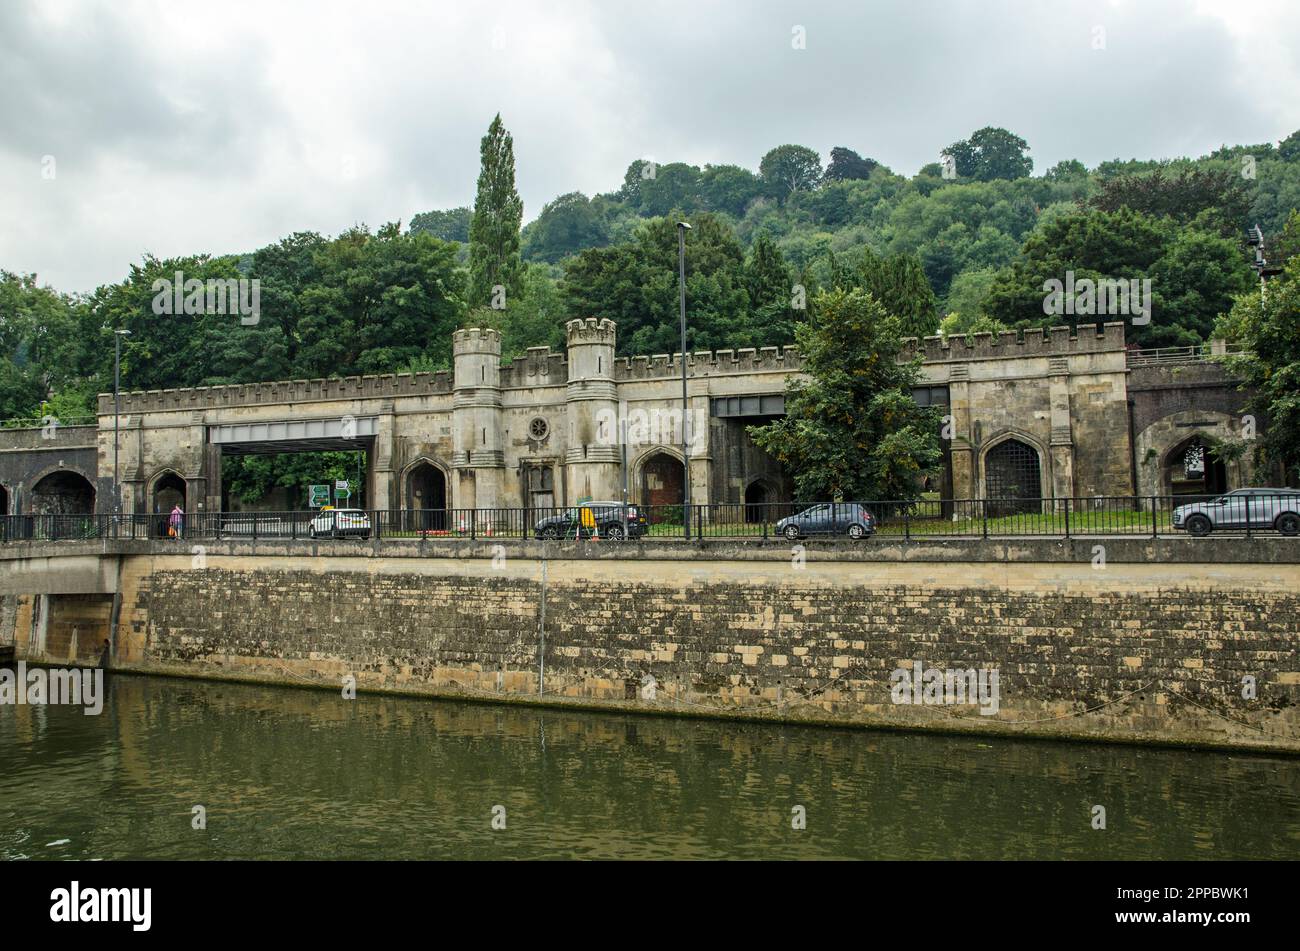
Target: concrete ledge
1264,549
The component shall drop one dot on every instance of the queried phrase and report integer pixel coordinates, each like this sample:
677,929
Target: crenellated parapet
539,366
705,363
1012,344
380,386
584,330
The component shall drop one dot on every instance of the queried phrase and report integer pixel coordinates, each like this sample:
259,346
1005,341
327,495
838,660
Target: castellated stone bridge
1038,414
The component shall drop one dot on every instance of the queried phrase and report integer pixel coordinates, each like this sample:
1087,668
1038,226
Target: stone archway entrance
168,492
1012,478
663,487
1191,469
4,500
758,501
63,493
426,497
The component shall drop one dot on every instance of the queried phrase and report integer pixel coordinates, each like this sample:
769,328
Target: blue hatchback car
832,518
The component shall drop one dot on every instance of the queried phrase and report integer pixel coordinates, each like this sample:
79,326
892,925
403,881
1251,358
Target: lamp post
117,412
682,228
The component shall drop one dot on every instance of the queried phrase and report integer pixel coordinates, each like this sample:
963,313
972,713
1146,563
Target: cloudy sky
171,128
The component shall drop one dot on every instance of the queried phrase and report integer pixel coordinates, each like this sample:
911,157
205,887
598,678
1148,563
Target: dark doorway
758,501
4,500
63,493
168,492
1012,478
1191,469
426,489
663,487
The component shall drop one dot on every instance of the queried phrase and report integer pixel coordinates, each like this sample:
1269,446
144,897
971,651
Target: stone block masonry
1140,652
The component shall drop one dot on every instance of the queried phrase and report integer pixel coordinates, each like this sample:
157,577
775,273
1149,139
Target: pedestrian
177,522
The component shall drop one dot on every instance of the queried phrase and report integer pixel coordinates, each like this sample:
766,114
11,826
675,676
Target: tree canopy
852,431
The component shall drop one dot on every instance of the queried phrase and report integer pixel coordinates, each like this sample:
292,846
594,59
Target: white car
1260,508
335,523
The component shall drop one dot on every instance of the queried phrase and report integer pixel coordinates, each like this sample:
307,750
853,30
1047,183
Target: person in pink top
177,521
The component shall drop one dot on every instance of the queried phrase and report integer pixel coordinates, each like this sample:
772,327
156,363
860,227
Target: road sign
318,495
341,485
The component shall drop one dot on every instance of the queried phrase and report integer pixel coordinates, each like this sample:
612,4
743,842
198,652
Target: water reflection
289,773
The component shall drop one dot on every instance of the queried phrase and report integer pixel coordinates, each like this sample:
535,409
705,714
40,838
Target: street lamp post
682,228
117,412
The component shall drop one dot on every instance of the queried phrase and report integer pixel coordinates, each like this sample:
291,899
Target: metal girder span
338,432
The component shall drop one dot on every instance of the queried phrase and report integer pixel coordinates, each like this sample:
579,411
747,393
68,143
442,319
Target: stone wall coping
1119,549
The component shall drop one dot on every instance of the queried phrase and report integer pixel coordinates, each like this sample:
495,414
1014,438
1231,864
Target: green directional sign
318,495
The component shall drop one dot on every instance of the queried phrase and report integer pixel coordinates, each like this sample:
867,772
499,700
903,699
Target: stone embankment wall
1142,650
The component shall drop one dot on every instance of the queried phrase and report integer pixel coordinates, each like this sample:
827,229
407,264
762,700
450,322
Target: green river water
289,774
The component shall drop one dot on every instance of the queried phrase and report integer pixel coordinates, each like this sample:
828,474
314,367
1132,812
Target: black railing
1094,516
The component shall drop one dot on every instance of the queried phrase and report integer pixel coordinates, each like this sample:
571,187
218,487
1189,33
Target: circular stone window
539,428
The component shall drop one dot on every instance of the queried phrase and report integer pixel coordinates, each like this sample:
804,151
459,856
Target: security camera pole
682,228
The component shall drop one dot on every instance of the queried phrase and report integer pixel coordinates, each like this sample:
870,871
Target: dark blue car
832,518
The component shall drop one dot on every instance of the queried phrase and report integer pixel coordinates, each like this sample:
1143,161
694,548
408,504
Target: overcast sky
173,128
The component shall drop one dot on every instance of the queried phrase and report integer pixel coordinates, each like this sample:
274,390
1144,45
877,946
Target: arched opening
63,493
758,501
1012,478
1191,469
663,487
168,492
4,500
426,497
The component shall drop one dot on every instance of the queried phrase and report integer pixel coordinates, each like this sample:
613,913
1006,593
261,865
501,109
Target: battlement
476,340
1053,341
708,363
540,366
383,386
590,330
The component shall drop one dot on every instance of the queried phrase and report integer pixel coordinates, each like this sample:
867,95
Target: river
289,773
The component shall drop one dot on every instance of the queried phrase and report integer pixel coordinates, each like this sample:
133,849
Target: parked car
1261,508
335,523
838,518
607,519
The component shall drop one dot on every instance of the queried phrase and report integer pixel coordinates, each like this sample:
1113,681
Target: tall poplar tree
494,229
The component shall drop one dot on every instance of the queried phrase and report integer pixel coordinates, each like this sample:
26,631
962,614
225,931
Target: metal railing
41,423
1173,355
1080,517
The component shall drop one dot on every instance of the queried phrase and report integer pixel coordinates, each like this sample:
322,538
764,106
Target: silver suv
1258,508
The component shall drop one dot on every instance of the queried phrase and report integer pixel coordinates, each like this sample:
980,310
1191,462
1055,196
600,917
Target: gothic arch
1157,446
1016,474
425,494
659,477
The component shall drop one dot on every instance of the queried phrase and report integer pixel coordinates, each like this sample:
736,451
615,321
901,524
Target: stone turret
594,453
477,451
